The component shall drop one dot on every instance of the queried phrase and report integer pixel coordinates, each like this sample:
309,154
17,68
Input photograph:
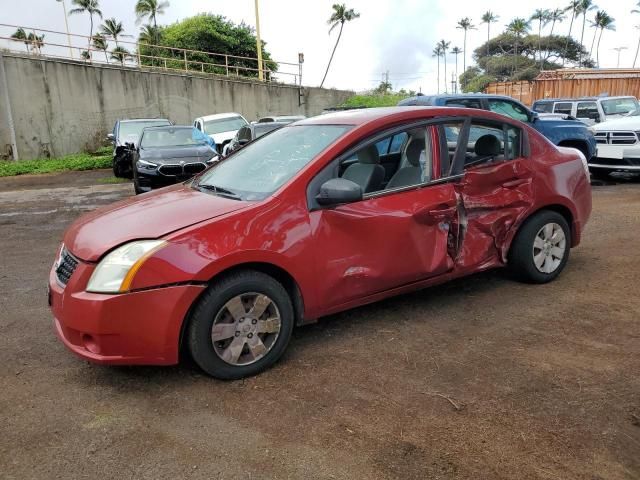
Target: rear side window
543,107
563,108
587,110
464,103
491,143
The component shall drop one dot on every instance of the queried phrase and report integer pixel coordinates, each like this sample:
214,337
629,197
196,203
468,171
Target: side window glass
510,109
485,144
587,110
563,108
464,103
383,146
397,141
514,143
543,107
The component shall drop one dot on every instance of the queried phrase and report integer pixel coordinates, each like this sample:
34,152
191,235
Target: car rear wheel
540,250
241,325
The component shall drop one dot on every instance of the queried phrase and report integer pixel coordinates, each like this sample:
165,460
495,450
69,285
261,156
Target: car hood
223,136
151,215
198,152
624,123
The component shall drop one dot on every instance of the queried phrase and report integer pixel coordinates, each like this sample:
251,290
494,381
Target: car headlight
146,164
116,271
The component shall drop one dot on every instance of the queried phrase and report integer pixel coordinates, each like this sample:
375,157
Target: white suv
221,127
589,110
618,146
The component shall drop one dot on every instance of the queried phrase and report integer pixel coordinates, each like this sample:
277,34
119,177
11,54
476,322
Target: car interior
404,159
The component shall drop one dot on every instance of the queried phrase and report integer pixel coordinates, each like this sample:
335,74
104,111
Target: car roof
132,120
429,99
219,116
399,114
582,99
168,127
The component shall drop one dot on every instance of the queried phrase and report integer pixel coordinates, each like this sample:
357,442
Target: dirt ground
483,378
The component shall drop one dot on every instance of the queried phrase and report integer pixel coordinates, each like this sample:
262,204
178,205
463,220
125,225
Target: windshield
260,129
263,166
129,129
172,137
211,127
620,106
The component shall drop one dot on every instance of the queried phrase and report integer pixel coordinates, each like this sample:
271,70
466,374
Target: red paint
339,258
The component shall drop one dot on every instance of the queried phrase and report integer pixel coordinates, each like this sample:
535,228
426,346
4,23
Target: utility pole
618,49
259,44
66,24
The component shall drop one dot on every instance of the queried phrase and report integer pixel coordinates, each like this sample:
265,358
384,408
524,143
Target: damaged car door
400,230
495,192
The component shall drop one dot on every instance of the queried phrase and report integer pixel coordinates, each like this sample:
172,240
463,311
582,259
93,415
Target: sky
394,36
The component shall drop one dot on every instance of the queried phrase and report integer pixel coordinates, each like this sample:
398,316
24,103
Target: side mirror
339,190
533,117
111,137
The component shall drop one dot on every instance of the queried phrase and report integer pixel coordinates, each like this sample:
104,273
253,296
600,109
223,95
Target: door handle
515,183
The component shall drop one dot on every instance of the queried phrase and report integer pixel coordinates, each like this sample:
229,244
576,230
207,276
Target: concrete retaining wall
61,107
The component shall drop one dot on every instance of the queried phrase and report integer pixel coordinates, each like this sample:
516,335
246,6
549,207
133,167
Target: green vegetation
374,100
79,161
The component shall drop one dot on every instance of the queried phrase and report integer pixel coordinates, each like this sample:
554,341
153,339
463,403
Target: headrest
369,155
413,151
487,146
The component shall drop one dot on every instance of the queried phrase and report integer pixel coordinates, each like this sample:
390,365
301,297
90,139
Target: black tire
213,300
602,175
136,186
521,254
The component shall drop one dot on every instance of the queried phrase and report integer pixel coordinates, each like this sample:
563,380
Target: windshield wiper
223,192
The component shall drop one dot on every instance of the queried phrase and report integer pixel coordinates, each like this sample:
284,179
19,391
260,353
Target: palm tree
92,7
120,54
21,35
603,21
100,43
340,16
517,27
148,34
444,46
584,7
489,17
466,25
574,8
437,52
456,51
556,16
543,17
635,59
112,28
150,9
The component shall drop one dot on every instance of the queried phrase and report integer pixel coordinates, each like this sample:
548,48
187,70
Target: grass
112,180
77,161
374,100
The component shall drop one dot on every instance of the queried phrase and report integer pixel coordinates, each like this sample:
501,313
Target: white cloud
397,36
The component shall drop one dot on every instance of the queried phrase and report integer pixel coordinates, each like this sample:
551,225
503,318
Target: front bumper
616,158
138,328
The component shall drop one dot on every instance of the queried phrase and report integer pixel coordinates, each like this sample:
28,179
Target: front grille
616,138
177,170
193,168
67,264
170,170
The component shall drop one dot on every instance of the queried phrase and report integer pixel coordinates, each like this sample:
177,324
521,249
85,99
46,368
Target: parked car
618,147
167,155
248,133
564,132
125,137
589,110
311,220
221,127
282,119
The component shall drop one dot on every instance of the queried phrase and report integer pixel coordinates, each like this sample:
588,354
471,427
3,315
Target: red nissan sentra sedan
317,217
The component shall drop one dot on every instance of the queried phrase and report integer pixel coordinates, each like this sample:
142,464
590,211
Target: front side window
211,127
263,166
464,103
510,109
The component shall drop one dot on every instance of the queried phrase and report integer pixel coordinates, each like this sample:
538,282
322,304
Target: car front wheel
540,250
241,325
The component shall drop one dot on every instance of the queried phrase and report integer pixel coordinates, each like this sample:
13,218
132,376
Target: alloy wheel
245,329
549,248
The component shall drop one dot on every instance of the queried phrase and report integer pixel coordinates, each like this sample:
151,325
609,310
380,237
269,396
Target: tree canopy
208,33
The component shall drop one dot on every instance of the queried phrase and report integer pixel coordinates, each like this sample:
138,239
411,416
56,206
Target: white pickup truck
618,146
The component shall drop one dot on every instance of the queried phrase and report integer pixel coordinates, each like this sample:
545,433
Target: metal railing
144,56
